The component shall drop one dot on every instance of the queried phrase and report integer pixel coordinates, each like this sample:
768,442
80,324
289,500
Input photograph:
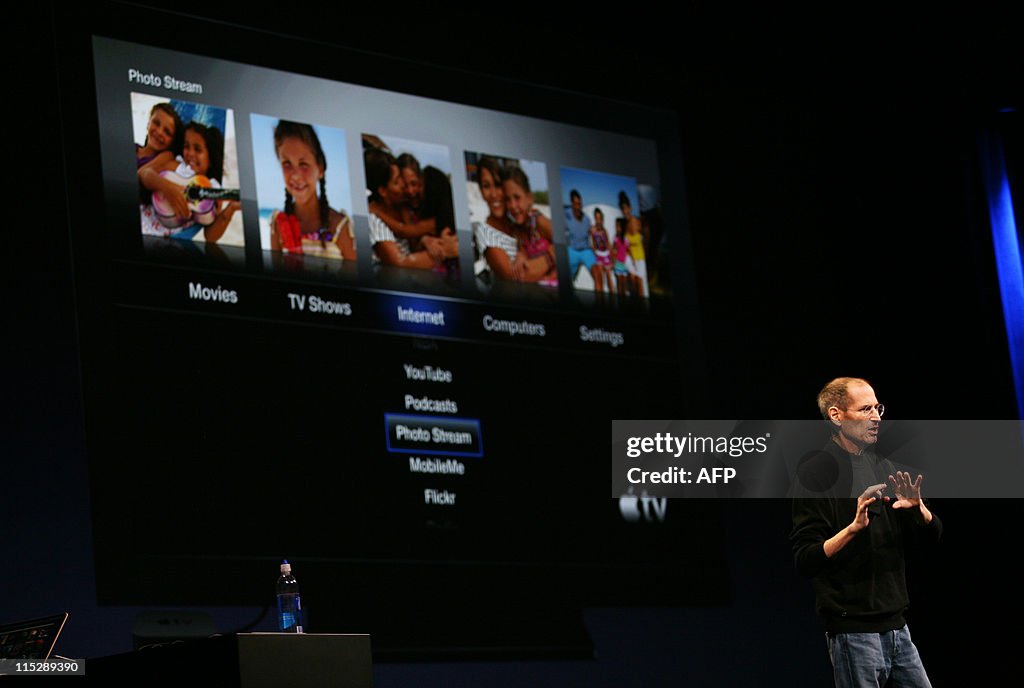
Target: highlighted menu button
407,434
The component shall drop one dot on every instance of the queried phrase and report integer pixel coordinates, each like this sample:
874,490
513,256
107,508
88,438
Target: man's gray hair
835,394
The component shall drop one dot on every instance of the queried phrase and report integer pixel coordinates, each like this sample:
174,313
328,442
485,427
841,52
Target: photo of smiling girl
302,186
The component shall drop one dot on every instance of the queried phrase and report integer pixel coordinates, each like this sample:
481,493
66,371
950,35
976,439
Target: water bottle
289,607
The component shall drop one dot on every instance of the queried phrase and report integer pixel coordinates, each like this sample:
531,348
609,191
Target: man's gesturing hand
908,494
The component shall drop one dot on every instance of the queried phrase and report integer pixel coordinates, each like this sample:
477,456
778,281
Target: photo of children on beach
606,241
411,210
187,163
302,189
510,214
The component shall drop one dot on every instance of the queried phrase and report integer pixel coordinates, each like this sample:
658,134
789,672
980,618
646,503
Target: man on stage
849,538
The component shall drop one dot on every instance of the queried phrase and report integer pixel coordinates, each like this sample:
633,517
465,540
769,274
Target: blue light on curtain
1009,260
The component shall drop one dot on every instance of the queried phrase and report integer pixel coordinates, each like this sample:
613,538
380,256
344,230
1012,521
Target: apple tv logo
643,508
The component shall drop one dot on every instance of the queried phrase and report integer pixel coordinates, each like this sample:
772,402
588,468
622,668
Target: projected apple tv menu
427,433
138,285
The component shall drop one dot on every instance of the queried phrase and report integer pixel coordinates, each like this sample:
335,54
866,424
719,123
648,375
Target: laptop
32,639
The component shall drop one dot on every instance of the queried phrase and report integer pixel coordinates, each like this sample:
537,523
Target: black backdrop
838,228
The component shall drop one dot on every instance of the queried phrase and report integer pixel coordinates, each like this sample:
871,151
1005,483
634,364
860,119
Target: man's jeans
860,660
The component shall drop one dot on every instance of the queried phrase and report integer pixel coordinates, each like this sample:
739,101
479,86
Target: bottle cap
286,567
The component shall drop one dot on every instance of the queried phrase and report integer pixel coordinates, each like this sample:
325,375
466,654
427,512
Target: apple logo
629,506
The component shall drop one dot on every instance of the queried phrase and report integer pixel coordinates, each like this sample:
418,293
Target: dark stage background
838,227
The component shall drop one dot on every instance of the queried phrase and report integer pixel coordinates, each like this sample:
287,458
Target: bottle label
289,613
